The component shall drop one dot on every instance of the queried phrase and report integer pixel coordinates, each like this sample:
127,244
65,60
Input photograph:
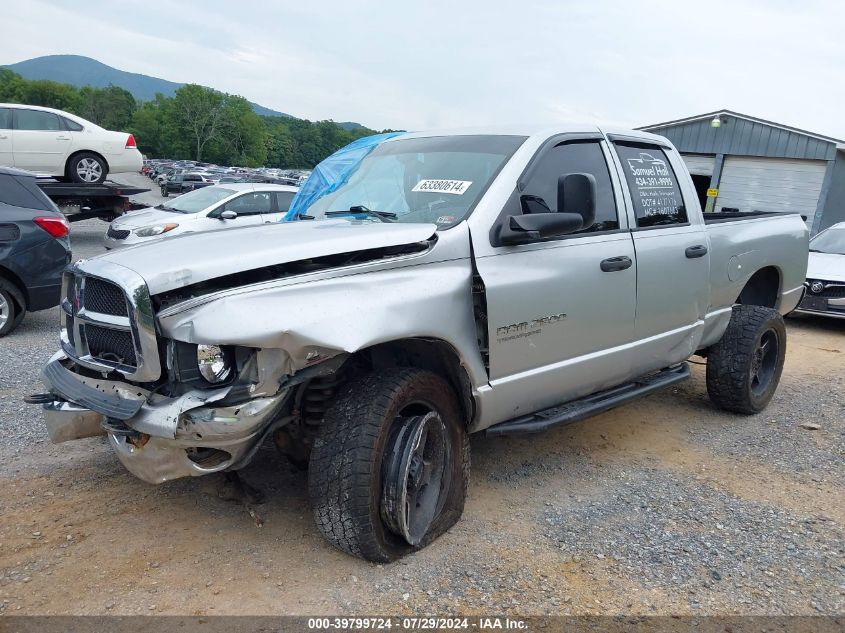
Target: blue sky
418,65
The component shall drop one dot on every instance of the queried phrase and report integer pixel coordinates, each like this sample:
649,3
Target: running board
591,405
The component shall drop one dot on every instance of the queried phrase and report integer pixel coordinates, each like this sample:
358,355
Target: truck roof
540,131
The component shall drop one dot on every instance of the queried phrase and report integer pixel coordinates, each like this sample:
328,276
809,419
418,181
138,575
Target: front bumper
166,438
833,307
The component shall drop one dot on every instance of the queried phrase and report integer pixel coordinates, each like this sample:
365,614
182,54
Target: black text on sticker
457,187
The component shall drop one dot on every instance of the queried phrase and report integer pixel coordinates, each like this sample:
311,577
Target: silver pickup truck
502,281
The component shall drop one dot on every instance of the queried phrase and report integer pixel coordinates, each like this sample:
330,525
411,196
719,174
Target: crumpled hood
146,217
826,266
182,260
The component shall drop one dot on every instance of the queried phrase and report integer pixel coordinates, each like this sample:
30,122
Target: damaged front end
188,378
170,409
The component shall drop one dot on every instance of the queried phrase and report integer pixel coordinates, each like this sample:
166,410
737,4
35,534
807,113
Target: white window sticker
457,187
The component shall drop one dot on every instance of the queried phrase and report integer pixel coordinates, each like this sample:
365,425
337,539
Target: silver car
826,274
208,209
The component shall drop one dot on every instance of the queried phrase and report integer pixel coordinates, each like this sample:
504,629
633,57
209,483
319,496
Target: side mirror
576,194
228,215
539,226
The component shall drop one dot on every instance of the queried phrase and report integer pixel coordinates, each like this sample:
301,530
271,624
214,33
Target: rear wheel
12,307
389,470
87,167
744,368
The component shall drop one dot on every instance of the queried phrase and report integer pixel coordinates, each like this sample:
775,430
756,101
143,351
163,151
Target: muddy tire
374,492
744,368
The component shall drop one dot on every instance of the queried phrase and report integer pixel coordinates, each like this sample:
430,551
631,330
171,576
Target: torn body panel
288,331
426,296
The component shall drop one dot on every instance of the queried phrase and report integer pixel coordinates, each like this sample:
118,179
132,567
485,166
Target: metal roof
741,134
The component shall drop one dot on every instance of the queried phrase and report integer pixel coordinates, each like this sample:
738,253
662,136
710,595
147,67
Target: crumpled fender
318,319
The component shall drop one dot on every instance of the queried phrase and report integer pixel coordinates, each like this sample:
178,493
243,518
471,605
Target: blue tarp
333,172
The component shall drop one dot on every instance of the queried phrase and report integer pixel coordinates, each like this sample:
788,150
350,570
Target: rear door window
37,120
654,187
251,203
5,119
22,191
283,200
71,126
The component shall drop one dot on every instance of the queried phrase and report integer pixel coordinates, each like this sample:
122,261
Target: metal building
739,162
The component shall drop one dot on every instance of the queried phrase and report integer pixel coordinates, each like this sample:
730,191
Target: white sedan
825,294
62,145
208,209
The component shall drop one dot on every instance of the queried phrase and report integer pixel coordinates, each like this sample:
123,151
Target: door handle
63,138
3,136
699,250
616,263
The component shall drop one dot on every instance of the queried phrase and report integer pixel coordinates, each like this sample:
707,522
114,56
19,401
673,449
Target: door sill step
593,404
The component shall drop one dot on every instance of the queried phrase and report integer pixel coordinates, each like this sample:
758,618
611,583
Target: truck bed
80,201
87,190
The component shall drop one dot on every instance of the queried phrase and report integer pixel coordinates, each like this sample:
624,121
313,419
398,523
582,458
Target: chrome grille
104,297
832,290
113,345
108,322
117,234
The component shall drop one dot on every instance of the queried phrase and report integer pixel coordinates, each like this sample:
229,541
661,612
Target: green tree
110,107
199,113
11,86
50,94
243,134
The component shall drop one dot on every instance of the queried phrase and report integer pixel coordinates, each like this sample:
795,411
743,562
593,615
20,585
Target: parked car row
162,170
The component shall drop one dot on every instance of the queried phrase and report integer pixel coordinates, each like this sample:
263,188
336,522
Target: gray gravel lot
665,506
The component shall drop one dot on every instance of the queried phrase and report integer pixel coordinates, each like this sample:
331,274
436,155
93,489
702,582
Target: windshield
437,179
830,241
197,200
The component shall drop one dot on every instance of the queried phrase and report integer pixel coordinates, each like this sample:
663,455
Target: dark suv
34,248
182,183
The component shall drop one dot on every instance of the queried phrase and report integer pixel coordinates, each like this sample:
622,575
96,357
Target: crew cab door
673,262
249,208
41,143
281,205
559,311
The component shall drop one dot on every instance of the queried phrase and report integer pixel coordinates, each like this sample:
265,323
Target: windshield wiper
815,250
384,216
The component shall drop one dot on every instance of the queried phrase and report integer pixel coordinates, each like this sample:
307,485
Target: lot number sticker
456,187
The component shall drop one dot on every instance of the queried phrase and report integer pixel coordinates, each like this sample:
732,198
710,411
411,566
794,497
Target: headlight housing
155,229
215,364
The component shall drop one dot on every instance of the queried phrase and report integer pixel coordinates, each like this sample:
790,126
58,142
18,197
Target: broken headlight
155,229
215,364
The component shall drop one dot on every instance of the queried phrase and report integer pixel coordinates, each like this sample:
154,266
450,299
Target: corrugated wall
834,204
741,137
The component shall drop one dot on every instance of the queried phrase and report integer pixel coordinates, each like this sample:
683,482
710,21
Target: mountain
83,71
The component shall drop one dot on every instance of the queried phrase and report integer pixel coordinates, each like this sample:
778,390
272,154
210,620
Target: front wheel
389,469
164,193
87,167
744,367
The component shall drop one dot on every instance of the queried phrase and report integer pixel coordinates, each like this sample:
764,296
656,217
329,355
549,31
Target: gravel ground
665,506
